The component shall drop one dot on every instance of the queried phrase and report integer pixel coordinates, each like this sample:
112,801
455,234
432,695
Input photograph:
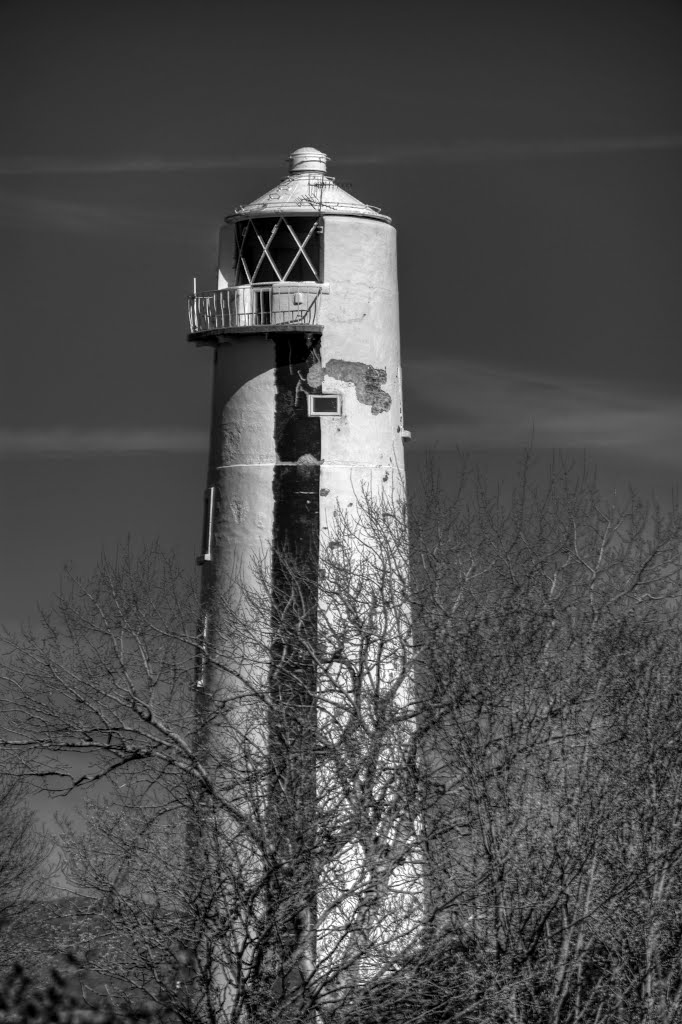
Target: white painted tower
307,406
306,419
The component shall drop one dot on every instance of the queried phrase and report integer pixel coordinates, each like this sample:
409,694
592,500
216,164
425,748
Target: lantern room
271,256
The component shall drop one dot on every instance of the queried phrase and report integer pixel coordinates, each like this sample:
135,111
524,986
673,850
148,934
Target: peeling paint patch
367,380
232,438
315,375
237,508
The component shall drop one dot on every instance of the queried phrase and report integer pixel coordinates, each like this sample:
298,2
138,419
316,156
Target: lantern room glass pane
271,249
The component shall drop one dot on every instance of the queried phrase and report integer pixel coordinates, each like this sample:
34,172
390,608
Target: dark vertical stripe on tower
295,571
296,488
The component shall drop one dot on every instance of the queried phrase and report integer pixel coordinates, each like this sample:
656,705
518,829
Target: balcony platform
255,309
224,334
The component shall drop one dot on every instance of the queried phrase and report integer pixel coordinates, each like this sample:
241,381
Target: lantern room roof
307,190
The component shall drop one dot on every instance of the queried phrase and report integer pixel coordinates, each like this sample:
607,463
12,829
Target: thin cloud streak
491,150
66,215
23,166
470,406
65,442
73,216
473,406
483,151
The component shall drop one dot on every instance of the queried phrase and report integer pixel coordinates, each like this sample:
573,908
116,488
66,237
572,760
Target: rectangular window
324,405
277,249
207,536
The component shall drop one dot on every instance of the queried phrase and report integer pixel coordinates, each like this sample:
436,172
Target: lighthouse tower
307,403
307,400
306,422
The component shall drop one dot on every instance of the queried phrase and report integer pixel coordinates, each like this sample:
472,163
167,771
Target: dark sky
529,154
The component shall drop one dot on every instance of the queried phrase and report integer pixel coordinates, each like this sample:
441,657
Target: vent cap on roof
307,159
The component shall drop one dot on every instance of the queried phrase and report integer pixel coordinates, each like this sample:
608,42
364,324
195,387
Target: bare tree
24,866
449,793
23,847
255,845
551,655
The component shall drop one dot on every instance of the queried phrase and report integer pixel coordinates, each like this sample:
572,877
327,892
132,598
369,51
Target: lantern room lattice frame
245,230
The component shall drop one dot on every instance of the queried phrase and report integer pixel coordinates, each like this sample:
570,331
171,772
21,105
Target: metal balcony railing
249,306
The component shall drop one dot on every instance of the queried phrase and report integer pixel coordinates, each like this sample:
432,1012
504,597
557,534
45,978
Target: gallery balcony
259,308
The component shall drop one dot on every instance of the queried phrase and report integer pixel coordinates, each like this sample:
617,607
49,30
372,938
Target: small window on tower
324,405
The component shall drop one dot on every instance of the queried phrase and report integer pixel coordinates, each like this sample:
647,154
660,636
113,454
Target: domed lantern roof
307,190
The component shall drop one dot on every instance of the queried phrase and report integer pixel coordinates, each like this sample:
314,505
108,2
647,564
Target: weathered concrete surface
367,380
280,476
360,351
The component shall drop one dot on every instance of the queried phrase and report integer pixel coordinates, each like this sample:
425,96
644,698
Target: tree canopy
442,784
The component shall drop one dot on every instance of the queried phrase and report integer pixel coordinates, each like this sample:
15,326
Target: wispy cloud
78,441
491,150
21,166
455,404
77,217
478,151
472,406
64,214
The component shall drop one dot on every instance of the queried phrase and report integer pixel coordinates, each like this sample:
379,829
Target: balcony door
252,305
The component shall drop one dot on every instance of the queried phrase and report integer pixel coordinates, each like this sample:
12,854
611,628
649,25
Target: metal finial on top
307,159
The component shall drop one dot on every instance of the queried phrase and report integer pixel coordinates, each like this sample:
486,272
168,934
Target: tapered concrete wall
360,359
242,454
279,477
